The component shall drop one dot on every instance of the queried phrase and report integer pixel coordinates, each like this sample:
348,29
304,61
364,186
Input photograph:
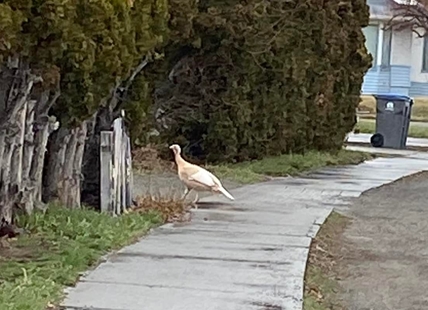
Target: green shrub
260,78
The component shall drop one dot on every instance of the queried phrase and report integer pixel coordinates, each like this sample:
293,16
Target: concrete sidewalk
246,255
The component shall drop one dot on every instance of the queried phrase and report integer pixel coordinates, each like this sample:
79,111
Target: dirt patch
379,260
9,250
385,253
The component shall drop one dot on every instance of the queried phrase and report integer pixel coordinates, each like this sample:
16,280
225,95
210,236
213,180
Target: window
425,55
371,32
386,48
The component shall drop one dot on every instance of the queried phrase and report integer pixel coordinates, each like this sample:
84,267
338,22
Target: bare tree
410,14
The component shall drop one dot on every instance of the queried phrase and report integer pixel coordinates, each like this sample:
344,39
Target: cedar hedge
257,78
239,80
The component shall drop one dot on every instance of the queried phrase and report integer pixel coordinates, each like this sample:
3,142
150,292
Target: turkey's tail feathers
226,193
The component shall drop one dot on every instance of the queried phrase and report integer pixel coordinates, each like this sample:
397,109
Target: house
400,57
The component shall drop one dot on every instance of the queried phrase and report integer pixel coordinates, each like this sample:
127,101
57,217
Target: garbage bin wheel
376,140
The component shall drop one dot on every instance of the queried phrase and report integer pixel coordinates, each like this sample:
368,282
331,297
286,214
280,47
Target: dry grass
170,209
415,129
419,110
321,278
160,193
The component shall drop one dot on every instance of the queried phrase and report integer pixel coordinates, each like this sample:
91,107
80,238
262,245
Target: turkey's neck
179,160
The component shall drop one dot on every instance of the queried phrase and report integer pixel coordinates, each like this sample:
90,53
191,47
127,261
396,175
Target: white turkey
196,178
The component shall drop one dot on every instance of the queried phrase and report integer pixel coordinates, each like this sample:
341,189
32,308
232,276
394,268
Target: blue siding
400,76
387,80
383,81
418,89
399,90
370,84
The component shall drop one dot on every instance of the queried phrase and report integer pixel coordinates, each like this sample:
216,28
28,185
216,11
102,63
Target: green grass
62,243
237,173
259,170
415,130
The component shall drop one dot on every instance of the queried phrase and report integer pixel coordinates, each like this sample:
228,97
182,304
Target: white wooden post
117,162
106,173
123,171
129,177
116,169
378,60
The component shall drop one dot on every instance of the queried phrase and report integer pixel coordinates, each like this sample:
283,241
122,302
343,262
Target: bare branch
136,71
411,14
120,92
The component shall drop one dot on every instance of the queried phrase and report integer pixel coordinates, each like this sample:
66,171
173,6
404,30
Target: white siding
417,48
401,48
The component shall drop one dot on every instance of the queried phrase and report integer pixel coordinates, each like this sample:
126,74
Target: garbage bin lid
393,97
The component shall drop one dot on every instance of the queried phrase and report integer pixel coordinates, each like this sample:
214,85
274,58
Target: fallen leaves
171,210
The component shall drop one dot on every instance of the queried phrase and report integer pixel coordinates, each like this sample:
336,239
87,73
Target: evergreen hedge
256,78
239,80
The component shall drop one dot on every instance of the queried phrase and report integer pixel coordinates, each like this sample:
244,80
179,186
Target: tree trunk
24,127
27,199
15,157
13,110
78,161
45,127
53,164
64,166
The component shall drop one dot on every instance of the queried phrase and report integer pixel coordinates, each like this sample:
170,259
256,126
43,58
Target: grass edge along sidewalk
288,164
321,283
62,243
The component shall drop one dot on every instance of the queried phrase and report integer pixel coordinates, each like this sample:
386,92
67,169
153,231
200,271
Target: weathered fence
116,169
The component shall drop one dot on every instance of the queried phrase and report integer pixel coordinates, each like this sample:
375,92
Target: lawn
415,131
60,245
321,278
292,164
419,109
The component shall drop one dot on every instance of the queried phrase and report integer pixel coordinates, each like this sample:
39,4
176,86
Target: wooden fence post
117,162
106,173
116,169
123,172
129,176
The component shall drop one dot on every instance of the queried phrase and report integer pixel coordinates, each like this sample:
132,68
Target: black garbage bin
393,113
